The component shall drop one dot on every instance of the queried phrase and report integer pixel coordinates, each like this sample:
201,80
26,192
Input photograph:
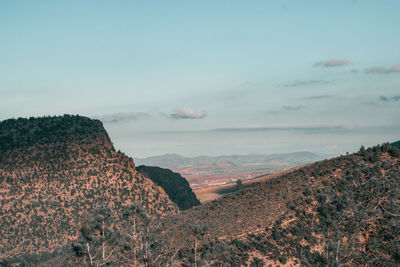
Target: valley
68,198
205,172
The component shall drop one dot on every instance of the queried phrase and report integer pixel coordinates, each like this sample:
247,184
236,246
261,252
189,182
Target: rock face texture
173,183
55,169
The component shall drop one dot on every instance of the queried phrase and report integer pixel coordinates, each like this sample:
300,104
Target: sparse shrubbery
343,211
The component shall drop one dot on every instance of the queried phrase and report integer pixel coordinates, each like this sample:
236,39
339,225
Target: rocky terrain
53,170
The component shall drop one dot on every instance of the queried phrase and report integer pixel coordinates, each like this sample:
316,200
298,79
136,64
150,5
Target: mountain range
175,161
69,199
205,171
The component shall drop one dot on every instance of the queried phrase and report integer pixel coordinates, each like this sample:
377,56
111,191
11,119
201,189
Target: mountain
175,161
175,186
53,171
342,211
204,172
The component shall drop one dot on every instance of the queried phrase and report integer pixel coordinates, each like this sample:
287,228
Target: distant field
209,194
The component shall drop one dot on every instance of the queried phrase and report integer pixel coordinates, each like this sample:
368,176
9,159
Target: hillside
53,172
175,186
396,144
342,211
68,195
339,211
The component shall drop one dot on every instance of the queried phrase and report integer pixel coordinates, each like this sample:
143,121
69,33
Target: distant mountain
204,171
176,161
54,171
174,184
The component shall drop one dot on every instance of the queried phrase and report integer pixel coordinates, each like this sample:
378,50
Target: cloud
289,129
354,71
332,63
305,129
395,98
318,97
123,117
185,113
293,107
380,70
306,83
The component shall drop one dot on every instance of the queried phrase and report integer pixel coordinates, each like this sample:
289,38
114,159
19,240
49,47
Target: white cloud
185,113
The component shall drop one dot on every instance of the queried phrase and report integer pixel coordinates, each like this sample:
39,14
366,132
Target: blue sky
208,77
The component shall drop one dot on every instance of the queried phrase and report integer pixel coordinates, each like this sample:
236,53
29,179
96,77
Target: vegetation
342,211
52,175
177,187
78,202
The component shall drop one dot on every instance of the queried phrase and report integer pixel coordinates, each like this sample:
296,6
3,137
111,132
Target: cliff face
55,169
177,187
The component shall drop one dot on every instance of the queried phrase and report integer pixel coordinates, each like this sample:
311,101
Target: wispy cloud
395,98
124,117
305,129
306,83
185,113
293,107
354,71
318,97
332,63
381,70
290,129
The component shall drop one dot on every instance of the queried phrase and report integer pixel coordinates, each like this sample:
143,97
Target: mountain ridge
176,161
54,169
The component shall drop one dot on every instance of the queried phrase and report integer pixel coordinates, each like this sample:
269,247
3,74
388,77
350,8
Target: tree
239,183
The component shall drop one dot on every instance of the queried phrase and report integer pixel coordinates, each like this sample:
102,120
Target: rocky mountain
53,171
174,184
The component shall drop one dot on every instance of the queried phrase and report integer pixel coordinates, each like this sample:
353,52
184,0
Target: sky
208,77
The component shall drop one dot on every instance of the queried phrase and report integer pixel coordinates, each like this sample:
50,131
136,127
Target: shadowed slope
174,184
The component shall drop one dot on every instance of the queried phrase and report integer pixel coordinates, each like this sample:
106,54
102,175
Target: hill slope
55,169
174,184
339,211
